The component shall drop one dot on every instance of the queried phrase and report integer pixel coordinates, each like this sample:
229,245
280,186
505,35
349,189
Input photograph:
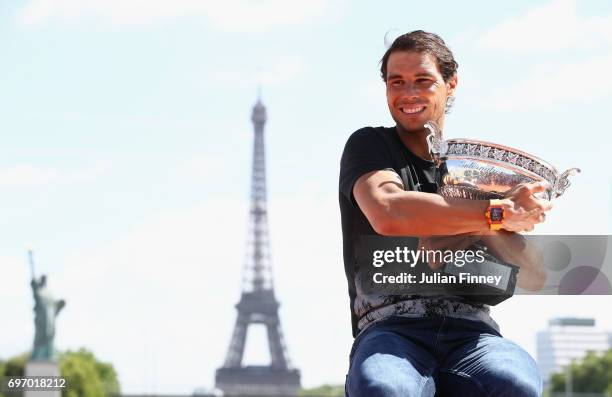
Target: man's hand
516,249
522,210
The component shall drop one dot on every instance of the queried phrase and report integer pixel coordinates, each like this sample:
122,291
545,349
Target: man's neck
415,141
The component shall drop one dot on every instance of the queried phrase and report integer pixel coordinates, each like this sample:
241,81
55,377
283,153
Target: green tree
15,366
323,391
593,374
85,375
2,364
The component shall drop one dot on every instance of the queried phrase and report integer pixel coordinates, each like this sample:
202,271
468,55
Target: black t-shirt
372,149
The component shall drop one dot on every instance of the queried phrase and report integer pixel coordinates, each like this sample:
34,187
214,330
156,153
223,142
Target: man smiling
435,345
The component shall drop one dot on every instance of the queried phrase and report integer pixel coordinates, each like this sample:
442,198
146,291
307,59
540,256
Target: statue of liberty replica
46,309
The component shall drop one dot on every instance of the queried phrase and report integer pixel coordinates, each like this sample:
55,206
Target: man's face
416,91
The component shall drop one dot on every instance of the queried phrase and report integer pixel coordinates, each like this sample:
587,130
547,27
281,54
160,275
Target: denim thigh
388,362
439,356
480,362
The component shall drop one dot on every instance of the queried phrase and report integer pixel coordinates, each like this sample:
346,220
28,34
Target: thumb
537,187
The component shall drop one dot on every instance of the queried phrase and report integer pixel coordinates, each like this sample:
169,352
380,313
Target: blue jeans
439,356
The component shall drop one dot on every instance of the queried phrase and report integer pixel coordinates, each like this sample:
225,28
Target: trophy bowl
480,170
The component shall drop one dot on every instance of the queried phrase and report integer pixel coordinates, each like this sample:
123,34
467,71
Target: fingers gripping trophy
479,170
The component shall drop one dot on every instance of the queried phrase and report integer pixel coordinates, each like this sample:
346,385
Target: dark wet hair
420,41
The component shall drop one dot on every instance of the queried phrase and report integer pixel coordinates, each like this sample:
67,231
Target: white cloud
551,27
232,15
197,167
561,57
282,70
552,83
25,175
274,72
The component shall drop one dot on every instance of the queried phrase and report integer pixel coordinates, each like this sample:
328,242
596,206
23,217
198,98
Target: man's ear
451,84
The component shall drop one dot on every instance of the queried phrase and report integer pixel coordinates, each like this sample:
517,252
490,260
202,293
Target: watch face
496,214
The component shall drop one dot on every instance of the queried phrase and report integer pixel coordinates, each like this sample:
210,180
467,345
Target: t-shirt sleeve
365,151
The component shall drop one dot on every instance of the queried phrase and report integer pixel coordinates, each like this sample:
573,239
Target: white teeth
412,110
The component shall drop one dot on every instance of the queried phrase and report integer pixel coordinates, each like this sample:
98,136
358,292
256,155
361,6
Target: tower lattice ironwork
258,304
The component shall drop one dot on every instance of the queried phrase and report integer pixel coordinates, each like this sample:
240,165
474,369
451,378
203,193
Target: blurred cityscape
573,354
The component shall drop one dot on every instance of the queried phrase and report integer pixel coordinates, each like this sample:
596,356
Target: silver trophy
480,170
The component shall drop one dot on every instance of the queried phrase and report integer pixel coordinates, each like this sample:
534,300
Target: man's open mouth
412,109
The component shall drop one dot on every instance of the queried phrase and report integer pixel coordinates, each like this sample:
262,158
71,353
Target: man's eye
396,83
425,83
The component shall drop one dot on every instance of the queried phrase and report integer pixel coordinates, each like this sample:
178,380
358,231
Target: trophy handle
563,182
436,143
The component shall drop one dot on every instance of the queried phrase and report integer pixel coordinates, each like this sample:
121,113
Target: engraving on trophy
525,162
484,151
482,170
498,154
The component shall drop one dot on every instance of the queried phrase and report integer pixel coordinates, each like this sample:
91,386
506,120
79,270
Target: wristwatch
495,214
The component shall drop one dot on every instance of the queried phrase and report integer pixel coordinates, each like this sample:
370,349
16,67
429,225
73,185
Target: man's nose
411,90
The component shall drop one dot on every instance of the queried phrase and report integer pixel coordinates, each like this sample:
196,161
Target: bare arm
394,212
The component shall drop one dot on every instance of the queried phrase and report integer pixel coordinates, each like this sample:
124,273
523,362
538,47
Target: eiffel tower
257,304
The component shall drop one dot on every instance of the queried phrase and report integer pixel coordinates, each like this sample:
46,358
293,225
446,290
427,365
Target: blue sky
125,159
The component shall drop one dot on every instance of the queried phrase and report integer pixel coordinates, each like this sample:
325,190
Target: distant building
258,303
567,340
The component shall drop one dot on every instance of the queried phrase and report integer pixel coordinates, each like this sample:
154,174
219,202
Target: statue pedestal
42,368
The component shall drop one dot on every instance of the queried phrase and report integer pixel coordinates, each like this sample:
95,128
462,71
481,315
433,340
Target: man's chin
413,126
